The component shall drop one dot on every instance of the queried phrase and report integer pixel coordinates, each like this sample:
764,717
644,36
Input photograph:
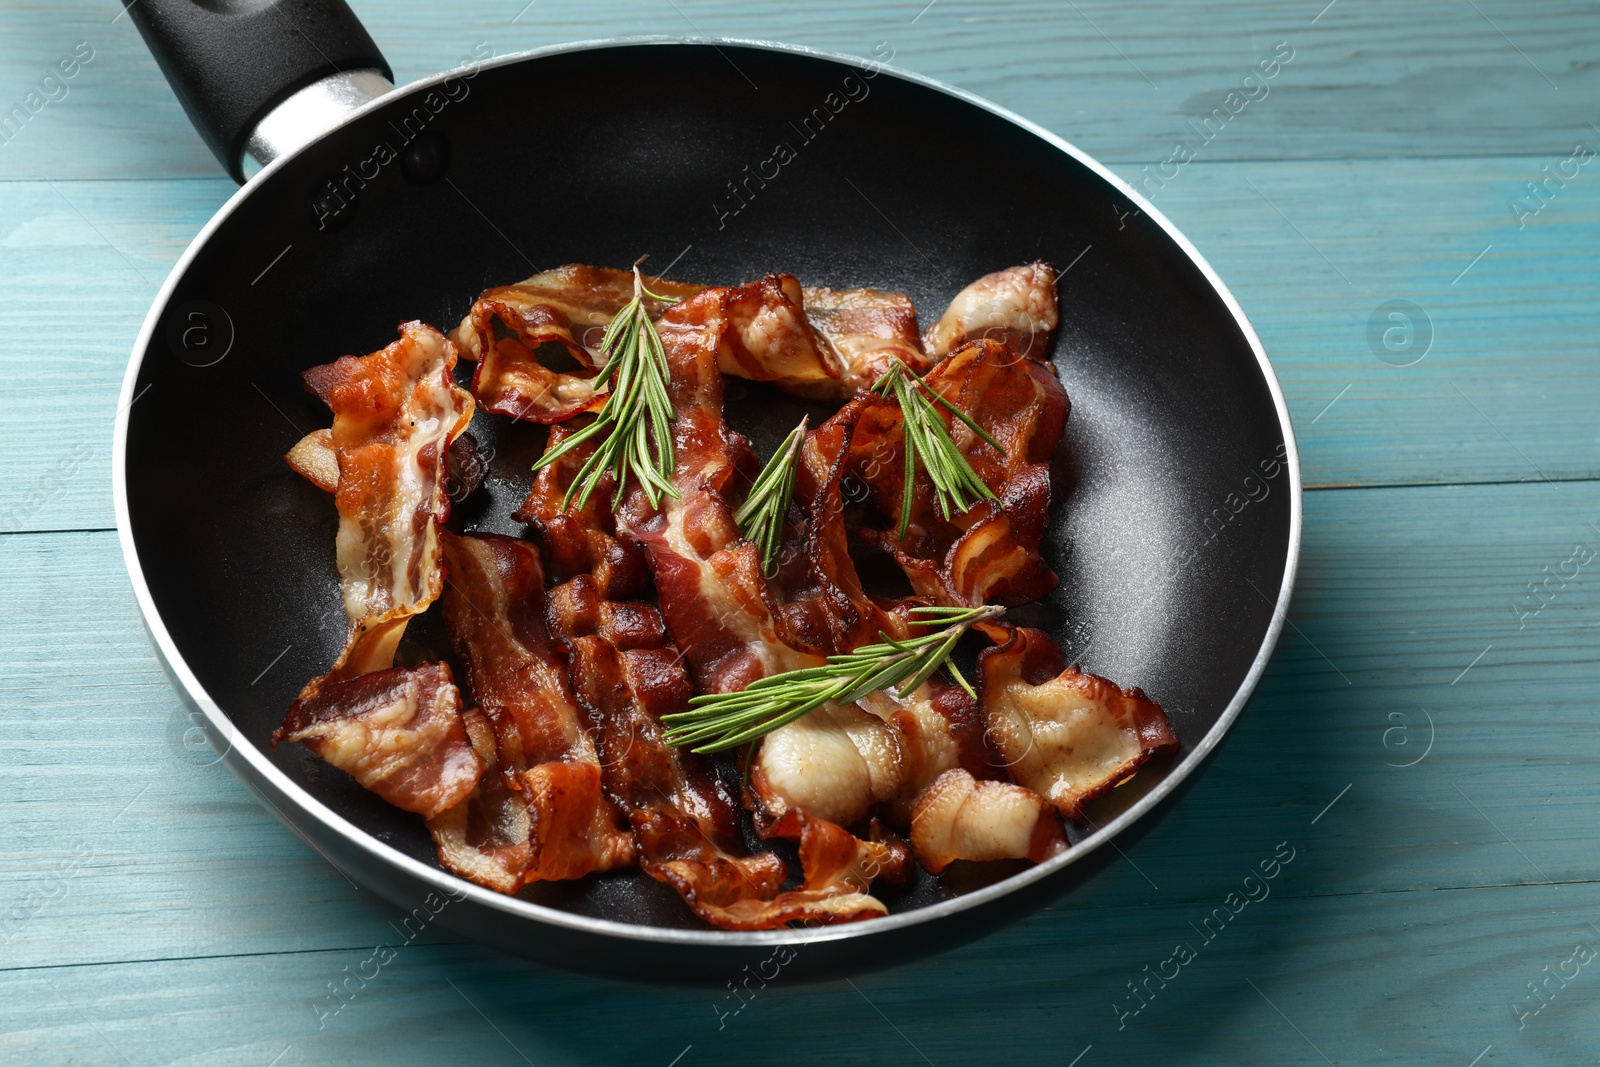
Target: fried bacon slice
582,540
960,817
707,578
769,339
772,340
1067,735
395,414
865,329
990,553
570,307
816,598
398,732
1015,307
840,867
544,774
626,677
818,343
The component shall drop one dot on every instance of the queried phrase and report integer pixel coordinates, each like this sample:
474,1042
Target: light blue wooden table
1424,743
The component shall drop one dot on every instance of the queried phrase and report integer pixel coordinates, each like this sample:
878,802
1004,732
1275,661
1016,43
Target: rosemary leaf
717,721
927,440
761,516
637,440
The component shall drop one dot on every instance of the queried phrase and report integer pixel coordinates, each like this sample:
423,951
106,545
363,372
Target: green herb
717,721
637,414
927,440
761,517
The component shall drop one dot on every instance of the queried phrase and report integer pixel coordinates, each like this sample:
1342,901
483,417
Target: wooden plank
83,262
1428,78
1507,389
101,760
1507,392
1373,979
181,862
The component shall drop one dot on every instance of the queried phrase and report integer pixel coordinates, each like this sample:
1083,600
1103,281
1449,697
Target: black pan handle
231,62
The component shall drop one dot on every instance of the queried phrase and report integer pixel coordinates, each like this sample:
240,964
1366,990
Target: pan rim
267,777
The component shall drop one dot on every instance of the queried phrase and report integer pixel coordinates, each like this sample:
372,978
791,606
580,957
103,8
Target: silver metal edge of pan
249,762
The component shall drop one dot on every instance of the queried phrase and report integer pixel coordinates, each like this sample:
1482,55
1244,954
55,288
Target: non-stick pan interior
726,163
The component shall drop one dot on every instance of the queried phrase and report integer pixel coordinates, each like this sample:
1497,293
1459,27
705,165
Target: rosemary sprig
760,518
927,440
637,414
717,721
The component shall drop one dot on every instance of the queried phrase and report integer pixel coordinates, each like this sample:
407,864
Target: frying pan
1176,543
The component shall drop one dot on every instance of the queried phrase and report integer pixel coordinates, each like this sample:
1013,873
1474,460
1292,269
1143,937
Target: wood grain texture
1507,393
1424,78
1371,979
1424,739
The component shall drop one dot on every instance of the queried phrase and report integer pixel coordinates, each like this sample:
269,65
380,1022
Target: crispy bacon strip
866,329
823,344
839,871
565,305
1067,735
840,867
582,540
570,307
1015,307
769,339
960,817
545,773
395,413
626,674
989,553
398,732
708,580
